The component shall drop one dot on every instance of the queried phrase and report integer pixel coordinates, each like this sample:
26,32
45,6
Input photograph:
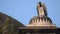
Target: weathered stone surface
8,25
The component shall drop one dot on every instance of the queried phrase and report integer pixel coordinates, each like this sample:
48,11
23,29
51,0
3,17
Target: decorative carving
41,9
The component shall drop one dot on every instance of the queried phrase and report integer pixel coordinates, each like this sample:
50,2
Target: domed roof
41,18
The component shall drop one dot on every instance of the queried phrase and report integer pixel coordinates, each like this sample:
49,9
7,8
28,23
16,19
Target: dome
40,19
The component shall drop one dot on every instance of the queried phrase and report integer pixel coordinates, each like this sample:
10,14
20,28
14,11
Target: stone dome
42,19
37,19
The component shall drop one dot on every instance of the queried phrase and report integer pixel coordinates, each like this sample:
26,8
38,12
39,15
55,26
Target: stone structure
42,19
9,25
40,24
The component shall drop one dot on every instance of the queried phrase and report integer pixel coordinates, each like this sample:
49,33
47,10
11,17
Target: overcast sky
24,10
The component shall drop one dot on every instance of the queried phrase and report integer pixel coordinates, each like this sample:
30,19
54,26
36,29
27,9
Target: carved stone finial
41,9
42,19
